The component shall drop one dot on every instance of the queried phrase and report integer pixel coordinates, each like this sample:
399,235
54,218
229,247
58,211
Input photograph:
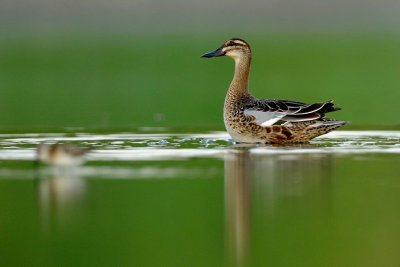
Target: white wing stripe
265,118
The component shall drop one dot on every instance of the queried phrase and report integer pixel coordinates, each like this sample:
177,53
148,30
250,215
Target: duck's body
65,155
251,120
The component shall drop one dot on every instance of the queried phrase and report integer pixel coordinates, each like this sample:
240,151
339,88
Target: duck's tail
305,131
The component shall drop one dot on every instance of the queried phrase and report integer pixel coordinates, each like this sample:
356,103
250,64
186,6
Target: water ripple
167,146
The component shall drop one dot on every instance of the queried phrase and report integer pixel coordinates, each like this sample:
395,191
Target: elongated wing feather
269,111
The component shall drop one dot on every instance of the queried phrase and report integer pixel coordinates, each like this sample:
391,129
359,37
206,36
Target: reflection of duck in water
61,190
251,120
237,206
61,195
259,187
292,175
61,154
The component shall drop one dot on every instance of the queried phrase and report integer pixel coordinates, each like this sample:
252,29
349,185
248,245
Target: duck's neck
240,81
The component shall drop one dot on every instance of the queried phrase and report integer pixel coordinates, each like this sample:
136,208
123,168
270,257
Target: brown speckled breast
239,126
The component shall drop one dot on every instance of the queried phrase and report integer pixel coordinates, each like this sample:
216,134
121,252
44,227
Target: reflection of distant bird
61,154
61,193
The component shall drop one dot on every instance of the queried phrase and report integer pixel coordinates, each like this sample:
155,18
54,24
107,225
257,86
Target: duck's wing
267,112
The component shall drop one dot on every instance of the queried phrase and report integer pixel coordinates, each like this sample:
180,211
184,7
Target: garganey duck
251,120
58,154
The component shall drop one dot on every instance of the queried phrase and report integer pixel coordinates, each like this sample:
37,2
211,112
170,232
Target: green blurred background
119,65
97,65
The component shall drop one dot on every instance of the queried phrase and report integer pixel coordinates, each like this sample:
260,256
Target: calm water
160,199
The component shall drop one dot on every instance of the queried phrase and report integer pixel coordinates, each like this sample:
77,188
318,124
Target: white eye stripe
236,43
240,42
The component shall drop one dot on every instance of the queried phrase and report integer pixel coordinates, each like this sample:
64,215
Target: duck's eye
231,44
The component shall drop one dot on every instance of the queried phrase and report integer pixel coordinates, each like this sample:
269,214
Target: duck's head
234,48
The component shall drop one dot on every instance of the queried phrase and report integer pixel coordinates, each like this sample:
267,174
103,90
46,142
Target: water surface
167,199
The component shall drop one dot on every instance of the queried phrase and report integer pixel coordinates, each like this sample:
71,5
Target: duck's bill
216,53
